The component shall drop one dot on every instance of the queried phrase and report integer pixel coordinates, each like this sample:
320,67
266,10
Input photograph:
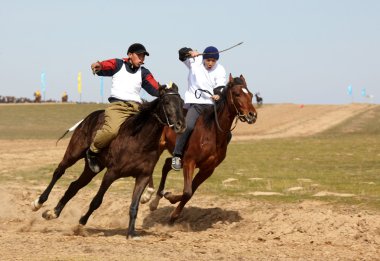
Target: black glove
184,53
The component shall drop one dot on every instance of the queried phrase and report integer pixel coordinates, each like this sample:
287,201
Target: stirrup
176,163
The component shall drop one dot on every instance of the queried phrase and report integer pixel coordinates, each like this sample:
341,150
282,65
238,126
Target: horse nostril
252,117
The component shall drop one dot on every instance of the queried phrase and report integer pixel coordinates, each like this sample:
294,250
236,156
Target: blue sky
294,51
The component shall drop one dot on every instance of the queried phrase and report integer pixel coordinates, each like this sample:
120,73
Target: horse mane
135,123
209,114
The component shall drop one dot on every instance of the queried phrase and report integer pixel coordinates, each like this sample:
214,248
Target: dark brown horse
207,145
134,152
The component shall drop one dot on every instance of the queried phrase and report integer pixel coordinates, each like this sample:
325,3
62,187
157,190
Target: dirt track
210,229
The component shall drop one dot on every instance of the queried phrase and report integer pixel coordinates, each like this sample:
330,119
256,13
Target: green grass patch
343,159
41,121
341,165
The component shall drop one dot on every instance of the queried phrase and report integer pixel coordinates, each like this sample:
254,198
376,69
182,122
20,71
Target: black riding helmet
137,48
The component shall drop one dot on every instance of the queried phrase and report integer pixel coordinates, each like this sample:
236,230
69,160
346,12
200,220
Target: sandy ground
210,228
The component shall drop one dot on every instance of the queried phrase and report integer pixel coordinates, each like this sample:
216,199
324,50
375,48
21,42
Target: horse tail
72,128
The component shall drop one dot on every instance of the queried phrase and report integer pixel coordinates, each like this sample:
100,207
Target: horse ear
175,87
161,88
243,79
231,79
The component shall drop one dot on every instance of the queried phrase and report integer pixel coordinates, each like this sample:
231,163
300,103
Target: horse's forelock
238,80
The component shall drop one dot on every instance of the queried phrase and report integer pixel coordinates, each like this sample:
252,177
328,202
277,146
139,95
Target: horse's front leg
199,178
160,192
140,184
188,171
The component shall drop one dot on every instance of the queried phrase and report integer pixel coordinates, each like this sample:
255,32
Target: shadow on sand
198,219
191,219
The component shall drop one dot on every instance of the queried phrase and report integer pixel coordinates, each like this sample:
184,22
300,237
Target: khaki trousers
115,114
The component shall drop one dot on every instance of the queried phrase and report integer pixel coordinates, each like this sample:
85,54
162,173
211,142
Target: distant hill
292,120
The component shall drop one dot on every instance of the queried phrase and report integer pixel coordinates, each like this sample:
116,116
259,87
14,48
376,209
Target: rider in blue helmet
206,73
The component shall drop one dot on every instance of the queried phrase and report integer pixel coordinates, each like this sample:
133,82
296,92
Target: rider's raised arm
149,84
184,54
110,67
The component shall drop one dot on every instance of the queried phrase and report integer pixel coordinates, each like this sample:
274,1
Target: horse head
240,99
171,104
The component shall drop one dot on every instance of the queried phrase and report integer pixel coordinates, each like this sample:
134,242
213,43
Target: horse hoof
147,195
167,195
133,235
154,204
79,230
171,197
49,215
136,238
35,205
171,221
173,217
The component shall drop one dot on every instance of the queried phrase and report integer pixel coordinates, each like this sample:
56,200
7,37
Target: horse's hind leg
85,178
108,178
160,192
74,151
149,192
59,171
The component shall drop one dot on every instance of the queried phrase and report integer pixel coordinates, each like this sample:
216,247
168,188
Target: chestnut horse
207,145
134,152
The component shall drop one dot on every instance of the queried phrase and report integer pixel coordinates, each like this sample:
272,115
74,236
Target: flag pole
101,88
80,86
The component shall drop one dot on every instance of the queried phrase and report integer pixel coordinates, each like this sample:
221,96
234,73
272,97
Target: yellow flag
79,82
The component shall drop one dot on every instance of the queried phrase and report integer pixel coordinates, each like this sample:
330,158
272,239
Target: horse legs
108,178
160,192
59,171
140,184
199,178
149,192
188,170
85,178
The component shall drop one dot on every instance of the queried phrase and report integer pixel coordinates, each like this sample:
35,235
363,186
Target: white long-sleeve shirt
201,78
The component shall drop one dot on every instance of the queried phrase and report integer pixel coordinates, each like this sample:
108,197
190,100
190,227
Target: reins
215,111
166,115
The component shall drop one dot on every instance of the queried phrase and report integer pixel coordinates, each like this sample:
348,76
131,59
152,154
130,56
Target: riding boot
93,161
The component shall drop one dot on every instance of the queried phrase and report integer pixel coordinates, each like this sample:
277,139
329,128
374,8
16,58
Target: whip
229,48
